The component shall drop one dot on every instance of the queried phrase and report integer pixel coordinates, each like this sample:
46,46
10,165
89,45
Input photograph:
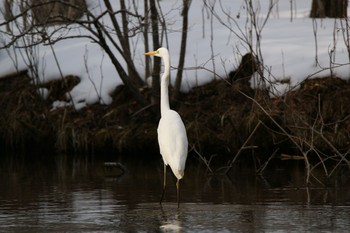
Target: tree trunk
156,60
178,80
122,74
126,45
145,35
133,74
329,8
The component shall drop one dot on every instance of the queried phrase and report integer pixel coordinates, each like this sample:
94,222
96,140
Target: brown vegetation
329,8
45,12
219,118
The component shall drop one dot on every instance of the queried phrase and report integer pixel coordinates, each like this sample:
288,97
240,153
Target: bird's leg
178,192
164,185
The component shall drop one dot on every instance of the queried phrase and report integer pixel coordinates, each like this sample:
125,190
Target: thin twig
243,147
262,168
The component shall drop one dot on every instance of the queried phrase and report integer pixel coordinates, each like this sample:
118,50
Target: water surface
71,194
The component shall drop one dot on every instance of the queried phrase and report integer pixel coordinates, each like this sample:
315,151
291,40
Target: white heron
172,137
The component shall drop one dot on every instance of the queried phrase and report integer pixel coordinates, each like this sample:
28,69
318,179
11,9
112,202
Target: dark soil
222,118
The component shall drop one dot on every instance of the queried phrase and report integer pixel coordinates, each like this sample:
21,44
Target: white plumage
172,137
172,141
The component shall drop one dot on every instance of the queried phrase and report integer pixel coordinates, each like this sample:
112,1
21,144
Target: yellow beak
150,53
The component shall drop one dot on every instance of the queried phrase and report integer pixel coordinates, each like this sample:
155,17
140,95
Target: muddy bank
223,118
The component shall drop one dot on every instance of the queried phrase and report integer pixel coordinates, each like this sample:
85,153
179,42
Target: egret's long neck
164,87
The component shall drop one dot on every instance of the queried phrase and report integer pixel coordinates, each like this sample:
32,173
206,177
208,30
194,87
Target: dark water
65,194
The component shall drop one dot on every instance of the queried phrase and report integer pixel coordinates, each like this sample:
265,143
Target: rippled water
78,195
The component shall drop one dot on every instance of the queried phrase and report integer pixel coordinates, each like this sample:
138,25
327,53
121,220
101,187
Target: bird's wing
172,139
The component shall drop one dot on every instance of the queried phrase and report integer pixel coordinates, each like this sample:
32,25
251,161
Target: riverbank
223,119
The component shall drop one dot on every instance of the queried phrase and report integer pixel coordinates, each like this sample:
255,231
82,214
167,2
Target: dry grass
24,113
219,119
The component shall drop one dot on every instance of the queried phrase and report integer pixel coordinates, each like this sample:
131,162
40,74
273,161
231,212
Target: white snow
287,46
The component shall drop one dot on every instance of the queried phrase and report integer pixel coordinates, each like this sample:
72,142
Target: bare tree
36,16
329,8
178,80
156,45
30,21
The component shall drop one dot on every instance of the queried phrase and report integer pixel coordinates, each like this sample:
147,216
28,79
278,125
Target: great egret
172,137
